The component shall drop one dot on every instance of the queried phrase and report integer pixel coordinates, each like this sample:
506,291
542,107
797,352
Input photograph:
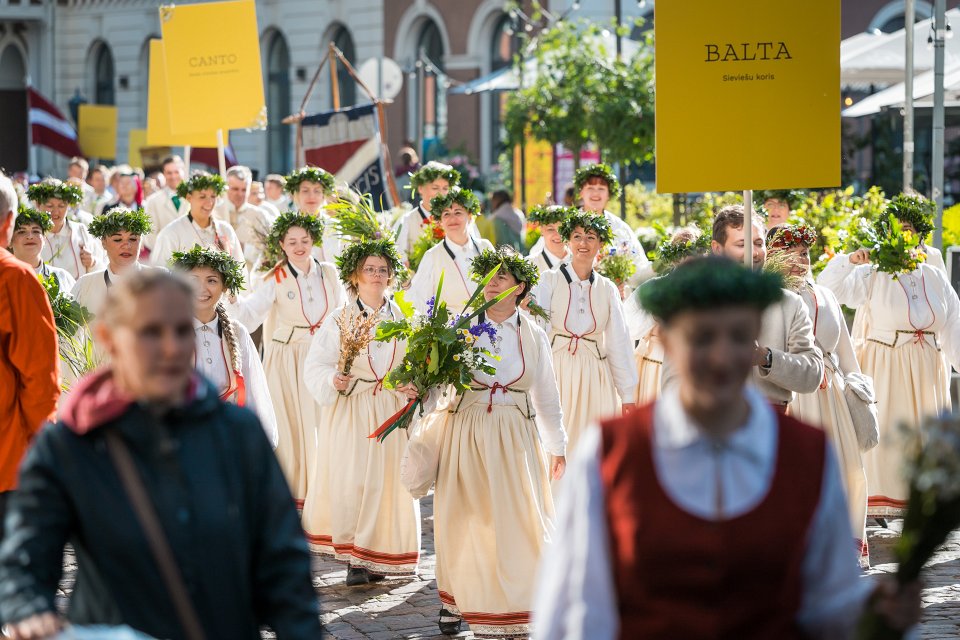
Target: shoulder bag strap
159,547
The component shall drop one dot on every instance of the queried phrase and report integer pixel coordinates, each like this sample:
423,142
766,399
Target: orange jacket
29,363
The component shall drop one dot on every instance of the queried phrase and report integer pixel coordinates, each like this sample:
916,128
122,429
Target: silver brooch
291,295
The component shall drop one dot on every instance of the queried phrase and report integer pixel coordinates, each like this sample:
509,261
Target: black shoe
449,623
375,577
357,576
882,522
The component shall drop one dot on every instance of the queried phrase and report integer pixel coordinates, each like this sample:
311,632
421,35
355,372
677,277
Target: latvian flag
49,128
347,144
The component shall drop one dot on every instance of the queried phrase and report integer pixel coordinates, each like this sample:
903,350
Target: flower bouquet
616,263
430,236
441,350
76,351
933,510
355,335
896,251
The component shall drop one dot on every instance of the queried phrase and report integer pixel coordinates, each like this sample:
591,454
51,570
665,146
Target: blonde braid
230,335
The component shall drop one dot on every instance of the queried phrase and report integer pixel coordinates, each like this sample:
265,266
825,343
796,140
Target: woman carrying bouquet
27,245
68,243
356,509
827,407
455,212
591,346
298,293
121,234
311,188
910,326
225,353
553,249
493,507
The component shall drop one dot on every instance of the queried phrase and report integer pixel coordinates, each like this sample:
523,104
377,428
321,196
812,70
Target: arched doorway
103,75
14,140
347,85
279,154
434,94
13,68
503,46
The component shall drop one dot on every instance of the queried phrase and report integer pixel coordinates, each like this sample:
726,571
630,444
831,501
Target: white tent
895,96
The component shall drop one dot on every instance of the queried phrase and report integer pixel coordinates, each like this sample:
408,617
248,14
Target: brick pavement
408,607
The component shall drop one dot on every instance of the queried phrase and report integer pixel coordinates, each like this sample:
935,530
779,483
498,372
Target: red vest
679,576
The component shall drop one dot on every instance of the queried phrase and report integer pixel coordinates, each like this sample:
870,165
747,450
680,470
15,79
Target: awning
896,95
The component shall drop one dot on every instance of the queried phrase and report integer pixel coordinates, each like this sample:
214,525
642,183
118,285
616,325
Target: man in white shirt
707,515
78,170
165,205
273,187
252,223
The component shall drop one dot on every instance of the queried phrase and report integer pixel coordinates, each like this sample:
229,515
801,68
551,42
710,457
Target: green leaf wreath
133,221
28,215
588,222
273,253
353,256
51,189
223,263
600,170
201,182
896,250
434,170
463,197
669,254
916,210
315,175
541,214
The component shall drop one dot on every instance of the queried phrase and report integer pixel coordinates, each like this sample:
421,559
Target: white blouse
63,249
423,286
91,289
544,394
546,261
577,599
252,310
183,234
580,320
212,363
331,245
830,327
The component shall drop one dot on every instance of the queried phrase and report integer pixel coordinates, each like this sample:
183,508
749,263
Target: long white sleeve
576,598
624,236
849,283
251,310
639,322
258,391
423,285
321,364
950,334
545,396
619,348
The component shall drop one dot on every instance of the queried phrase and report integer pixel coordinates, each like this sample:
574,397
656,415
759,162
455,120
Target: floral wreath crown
669,254
309,174
434,170
602,171
792,235
456,195
353,256
792,197
121,219
199,182
520,268
541,214
914,209
29,215
285,221
51,188
589,222
708,283
223,263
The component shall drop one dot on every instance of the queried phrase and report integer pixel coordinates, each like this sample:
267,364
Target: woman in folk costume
908,338
827,407
455,212
493,508
311,188
27,245
685,243
431,180
225,354
588,333
199,226
553,250
356,509
298,293
68,243
121,233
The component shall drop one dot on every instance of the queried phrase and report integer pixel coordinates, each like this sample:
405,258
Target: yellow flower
470,339
456,358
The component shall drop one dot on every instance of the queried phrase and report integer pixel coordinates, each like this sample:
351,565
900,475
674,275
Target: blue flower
430,304
478,330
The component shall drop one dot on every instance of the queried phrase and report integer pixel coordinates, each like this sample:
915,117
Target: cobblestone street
408,608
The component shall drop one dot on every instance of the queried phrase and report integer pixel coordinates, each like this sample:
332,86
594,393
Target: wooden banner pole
221,155
748,228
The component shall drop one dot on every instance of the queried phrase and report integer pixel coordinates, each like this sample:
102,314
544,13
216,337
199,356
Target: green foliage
28,215
896,250
353,256
121,219
223,263
201,182
359,220
618,267
456,195
588,222
916,210
273,253
53,189
309,174
523,271
68,314
429,237
434,170
600,170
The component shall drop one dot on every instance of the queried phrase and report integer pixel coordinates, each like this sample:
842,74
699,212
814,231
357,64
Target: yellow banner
539,173
212,57
747,95
97,130
137,140
159,131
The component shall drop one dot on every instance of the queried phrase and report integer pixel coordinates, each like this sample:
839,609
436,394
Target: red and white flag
49,128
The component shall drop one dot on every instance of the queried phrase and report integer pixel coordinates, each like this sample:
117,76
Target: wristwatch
769,361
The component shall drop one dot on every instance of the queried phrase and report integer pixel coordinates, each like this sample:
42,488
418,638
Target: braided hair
230,335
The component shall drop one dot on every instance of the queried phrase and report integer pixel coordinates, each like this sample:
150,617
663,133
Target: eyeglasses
376,271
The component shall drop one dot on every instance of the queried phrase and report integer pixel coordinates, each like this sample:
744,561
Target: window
278,105
103,92
503,47
433,92
347,85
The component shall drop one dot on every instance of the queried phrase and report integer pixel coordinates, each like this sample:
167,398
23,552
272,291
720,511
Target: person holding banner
121,234
827,407
69,245
906,338
27,245
493,506
553,250
198,226
356,509
311,188
454,211
431,180
298,294
225,353
592,350
166,205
